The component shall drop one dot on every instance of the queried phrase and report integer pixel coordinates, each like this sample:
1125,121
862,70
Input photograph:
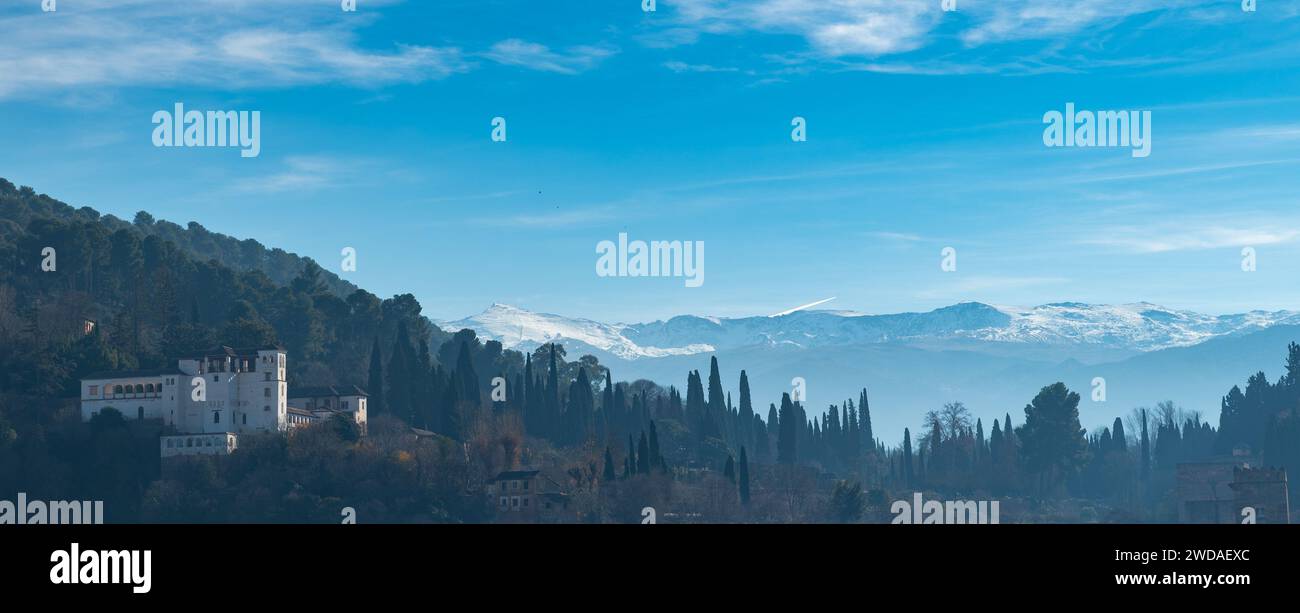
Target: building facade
223,391
528,496
310,404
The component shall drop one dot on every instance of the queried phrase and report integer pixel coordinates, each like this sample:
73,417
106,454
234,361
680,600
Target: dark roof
129,374
326,390
515,474
232,351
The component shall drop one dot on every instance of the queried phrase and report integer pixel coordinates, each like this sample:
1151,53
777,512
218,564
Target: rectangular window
266,392
216,417
94,390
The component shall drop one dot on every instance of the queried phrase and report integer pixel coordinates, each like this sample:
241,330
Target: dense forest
448,410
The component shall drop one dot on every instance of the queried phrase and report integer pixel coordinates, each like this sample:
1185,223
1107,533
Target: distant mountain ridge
992,358
1122,330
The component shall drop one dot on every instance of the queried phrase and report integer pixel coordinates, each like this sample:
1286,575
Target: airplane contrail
800,308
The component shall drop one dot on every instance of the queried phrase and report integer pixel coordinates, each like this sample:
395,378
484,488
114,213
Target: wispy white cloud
844,32
556,218
240,43
301,173
834,27
1189,235
676,66
535,56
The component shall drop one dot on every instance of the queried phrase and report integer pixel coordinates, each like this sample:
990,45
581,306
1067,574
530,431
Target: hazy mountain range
993,358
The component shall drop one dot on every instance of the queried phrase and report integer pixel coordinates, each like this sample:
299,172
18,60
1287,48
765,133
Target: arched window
117,389
139,389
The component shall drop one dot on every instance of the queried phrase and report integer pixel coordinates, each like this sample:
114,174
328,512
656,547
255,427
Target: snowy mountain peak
1129,328
519,328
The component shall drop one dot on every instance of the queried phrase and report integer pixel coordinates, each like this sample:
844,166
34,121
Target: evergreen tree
551,412
746,410
864,416
400,365
609,465
643,456
729,469
907,459
743,471
631,455
1119,443
1146,449
787,432
716,406
655,456
1052,440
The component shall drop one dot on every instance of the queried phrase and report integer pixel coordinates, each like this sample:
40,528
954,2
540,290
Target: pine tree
1052,439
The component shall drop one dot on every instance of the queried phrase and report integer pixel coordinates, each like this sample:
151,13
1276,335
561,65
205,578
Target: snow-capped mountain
993,358
1124,329
515,327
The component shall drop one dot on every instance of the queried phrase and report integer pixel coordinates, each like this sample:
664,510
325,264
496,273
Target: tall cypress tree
552,403
1146,449
746,410
655,455
609,465
788,432
864,418
744,476
907,458
643,456
375,403
399,374
717,405
631,454
729,469
1117,430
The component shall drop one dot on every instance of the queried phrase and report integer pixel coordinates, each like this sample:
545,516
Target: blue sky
924,132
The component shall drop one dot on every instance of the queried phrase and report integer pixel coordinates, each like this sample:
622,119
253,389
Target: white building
224,391
309,404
